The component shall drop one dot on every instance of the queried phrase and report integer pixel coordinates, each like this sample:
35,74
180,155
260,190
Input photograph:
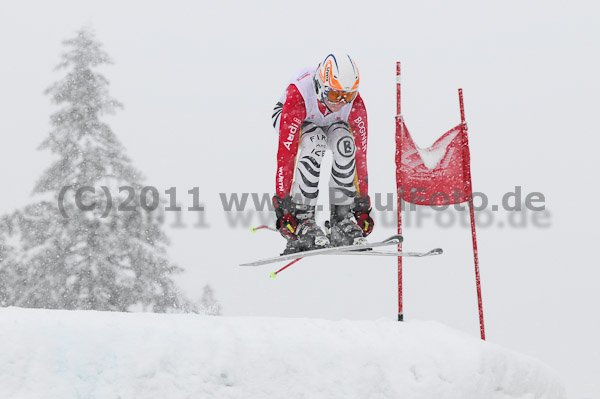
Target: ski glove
286,223
362,210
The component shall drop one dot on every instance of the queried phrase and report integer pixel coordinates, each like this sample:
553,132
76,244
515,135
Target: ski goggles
334,96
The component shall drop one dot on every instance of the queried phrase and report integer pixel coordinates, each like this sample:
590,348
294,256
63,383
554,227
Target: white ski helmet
337,72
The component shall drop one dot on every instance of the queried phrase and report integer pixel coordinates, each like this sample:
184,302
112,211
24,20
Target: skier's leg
342,191
305,191
313,143
341,183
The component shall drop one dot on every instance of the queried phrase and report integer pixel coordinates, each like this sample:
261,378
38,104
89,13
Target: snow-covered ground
85,354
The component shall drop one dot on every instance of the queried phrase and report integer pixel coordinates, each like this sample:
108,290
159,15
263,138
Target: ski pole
255,229
274,274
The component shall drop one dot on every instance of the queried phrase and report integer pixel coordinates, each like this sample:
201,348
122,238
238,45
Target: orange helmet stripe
329,79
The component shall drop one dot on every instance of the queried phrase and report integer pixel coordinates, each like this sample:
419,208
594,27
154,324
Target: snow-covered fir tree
7,267
208,303
88,260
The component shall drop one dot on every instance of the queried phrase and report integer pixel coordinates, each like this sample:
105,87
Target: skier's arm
362,203
292,116
358,124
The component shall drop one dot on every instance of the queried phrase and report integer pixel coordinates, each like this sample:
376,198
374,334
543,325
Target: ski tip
273,275
395,238
437,251
250,264
253,229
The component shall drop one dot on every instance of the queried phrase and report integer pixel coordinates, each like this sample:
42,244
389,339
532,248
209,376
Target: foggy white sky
199,80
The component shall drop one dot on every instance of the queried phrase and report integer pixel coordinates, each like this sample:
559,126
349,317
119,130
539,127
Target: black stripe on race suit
313,161
348,193
277,113
278,108
310,195
309,169
343,167
307,182
275,120
310,130
342,175
334,126
339,183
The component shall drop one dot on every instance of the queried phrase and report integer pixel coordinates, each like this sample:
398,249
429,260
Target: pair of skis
360,250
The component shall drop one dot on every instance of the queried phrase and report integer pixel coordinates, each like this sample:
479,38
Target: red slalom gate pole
399,135
467,173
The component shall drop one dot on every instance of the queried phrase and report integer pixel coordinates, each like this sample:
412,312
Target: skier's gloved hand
287,226
286,223
365,221
362,210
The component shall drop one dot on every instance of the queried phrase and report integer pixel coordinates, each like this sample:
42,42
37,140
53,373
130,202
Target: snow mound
85,354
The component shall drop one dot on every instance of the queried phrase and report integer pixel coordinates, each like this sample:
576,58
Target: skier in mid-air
321,109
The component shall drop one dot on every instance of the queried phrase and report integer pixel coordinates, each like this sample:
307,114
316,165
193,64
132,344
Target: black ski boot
309,234
343,227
